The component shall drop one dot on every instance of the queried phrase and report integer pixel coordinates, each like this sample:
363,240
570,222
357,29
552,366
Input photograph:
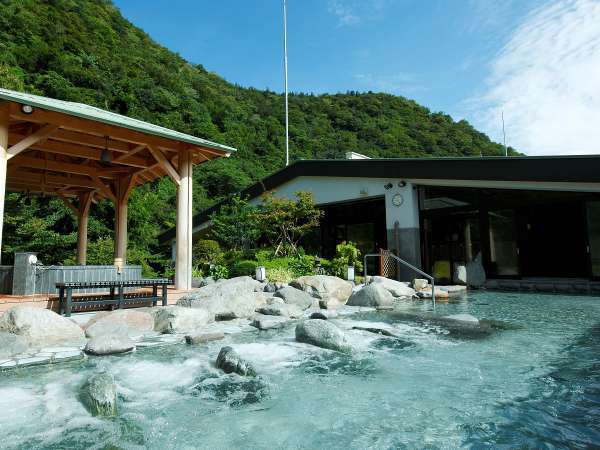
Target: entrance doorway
552,241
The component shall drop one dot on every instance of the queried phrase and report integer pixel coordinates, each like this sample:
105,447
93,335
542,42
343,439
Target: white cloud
353,12
547,82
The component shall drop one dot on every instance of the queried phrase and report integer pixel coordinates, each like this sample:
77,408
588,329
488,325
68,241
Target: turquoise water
537,386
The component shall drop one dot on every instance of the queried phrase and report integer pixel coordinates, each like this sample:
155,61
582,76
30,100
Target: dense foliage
85,51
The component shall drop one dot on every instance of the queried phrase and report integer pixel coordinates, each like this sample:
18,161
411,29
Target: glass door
593,225
504,251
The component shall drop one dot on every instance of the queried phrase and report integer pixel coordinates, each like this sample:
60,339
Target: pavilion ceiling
58,154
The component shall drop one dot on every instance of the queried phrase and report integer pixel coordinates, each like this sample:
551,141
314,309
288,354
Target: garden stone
372,295
230,362
122,321
274,301
460,275
322,333
11,344
203,338
440,293
100,395
109,345
396,288
176,319
292,295
475,272
285,310
419,284
40,327
323,314
325,288
263,322
270,287
226,299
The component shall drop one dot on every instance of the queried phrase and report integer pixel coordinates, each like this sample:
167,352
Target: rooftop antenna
504,135
285,70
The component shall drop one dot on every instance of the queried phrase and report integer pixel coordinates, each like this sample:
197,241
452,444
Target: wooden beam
4,132
79,151
104,188
57,166
90,140
165,164
131,152
32,139
46,179
67,202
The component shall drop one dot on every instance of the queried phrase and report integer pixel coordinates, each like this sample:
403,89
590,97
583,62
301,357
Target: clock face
397,200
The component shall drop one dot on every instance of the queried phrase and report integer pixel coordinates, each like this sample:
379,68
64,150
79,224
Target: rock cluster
230,362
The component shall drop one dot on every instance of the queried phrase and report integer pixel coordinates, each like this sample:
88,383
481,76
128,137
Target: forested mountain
85,51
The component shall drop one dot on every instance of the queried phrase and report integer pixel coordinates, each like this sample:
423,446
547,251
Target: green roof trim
84,111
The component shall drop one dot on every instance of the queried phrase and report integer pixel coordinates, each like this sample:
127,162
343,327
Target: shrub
218,272
302,265
207,252
197,272
346,254
244,267
280,274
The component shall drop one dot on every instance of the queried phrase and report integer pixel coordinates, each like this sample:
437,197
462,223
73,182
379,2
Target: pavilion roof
66,148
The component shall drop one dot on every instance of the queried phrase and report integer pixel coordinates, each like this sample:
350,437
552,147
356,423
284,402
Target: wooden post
85,200
183,257
122,188
4,117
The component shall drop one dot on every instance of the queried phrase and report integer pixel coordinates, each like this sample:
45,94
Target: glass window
593,218
504,256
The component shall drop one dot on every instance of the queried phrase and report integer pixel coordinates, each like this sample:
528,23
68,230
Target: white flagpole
285,69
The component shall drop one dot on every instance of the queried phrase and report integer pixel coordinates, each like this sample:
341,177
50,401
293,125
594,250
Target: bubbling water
416,385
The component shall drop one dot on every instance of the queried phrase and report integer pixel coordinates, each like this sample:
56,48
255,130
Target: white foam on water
272,356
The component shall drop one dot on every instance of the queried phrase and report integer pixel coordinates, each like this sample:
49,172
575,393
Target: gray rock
326,288
372,295
226,299
263,322
285,310
40,327
460,275
376,330
230,362
177,319
274,301
100,395
203,338
109,345
201,282
420,284
270,287
322,333
294,296
11,344
128,322
396,288
475,272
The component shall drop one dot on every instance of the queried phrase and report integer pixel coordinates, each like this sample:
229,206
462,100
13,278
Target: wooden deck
51,302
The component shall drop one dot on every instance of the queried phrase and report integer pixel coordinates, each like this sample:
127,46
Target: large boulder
122,321
226,299
109,345
331,291
396,288
41,327
100,395
176,319
372,295
294,296
322,333
475,272
277,309
230,362
11,344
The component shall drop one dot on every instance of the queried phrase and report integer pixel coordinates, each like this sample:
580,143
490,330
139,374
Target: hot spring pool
538,386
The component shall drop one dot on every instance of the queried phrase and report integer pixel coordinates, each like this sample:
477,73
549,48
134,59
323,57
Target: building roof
68,149
578,168
100,115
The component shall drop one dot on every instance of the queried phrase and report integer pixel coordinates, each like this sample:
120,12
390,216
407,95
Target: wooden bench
115,298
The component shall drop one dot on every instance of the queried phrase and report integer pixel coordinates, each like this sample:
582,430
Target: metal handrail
409,265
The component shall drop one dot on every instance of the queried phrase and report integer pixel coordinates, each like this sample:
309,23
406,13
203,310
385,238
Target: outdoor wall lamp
401,183
388,186
350,273
27,109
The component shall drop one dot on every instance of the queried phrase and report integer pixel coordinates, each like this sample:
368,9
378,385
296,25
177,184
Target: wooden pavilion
83,154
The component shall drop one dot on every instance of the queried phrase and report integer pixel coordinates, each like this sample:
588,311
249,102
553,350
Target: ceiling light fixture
27,109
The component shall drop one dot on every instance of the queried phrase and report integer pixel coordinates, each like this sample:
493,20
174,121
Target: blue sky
468,58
